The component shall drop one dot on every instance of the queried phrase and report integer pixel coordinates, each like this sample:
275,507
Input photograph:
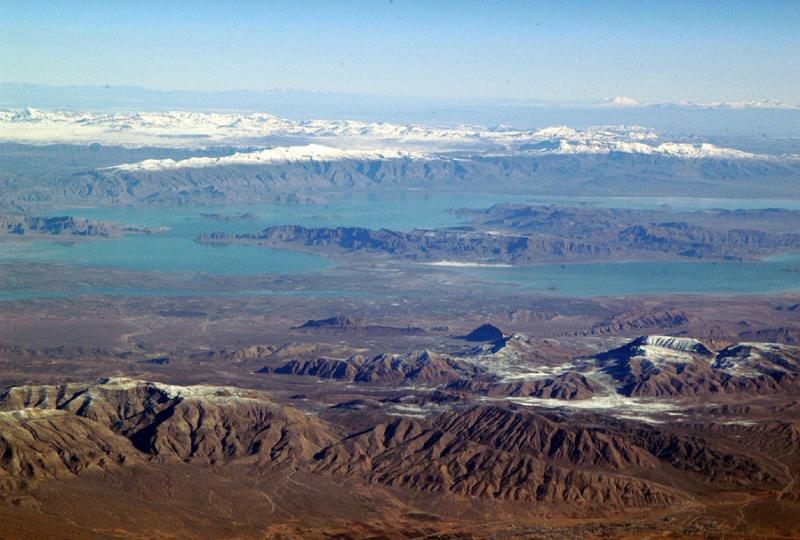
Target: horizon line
618,101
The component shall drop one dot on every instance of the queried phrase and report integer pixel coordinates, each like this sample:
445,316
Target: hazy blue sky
703,51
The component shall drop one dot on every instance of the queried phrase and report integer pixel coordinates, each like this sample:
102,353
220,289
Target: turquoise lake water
779,274
176,250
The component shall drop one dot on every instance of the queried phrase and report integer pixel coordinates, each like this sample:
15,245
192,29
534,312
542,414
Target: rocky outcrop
419,367
630,322
339,322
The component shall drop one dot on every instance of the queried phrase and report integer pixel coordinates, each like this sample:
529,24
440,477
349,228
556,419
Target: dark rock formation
354,324
485,332
338,322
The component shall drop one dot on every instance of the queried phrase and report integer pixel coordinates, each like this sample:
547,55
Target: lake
777,274
176,250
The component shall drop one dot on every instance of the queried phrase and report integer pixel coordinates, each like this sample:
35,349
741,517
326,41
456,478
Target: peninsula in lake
521,234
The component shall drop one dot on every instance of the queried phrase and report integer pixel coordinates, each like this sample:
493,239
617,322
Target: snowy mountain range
264,138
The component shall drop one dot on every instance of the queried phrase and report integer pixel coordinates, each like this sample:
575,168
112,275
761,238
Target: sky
549,50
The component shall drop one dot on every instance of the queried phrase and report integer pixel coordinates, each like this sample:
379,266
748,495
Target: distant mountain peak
622,101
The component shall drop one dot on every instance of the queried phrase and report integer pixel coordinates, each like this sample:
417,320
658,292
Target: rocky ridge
475,451
517,366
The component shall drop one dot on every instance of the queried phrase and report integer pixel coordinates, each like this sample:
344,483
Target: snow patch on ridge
173,391
681,344
615,405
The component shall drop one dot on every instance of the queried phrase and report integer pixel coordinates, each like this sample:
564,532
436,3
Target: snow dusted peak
660,350
678,344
